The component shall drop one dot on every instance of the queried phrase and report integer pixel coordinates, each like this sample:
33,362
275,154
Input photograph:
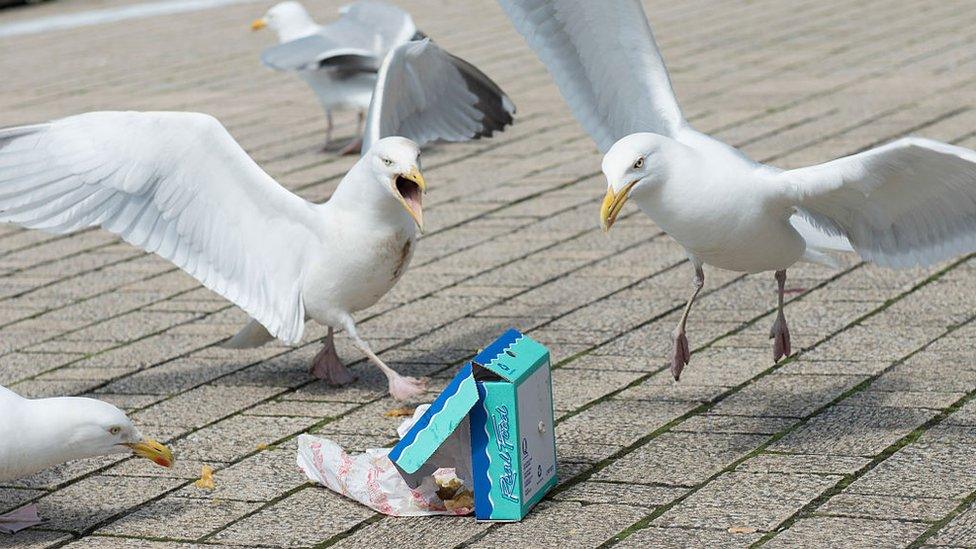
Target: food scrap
261,446
463,500
206,481
742,530
399,412
449,489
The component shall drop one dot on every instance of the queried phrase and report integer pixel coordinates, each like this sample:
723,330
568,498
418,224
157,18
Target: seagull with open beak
177,184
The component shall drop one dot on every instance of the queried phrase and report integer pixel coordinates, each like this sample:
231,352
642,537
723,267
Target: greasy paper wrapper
371,478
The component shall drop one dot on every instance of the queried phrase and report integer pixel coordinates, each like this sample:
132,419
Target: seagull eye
114,430
387,162
639,164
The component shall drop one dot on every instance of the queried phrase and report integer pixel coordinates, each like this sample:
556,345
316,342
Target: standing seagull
340,61
178,185
37,434
910,202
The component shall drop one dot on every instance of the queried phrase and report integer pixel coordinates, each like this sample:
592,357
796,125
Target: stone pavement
867,438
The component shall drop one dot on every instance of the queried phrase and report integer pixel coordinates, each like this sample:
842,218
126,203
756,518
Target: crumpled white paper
371,478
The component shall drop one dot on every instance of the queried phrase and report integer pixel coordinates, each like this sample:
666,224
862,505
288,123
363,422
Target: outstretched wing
425,94
605,62
910,202
176,184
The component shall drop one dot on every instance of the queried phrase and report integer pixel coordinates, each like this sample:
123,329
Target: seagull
909,202
340,61
178,185
39,433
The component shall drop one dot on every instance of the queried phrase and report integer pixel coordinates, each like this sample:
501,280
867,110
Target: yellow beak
258,24
612,204
411,195
153,451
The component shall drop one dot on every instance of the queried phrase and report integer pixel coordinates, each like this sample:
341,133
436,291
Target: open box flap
513,356
438,423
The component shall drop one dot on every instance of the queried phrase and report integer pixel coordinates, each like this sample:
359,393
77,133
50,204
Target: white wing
603,57
176,184
392,25
424,93
911,202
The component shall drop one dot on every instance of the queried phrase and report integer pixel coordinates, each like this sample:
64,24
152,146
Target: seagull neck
359,194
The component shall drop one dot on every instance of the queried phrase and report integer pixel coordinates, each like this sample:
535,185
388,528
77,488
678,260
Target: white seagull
910,202
178,185
40,433
340,61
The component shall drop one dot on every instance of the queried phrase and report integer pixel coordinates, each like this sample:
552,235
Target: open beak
410,188
612,204
153,451
258,24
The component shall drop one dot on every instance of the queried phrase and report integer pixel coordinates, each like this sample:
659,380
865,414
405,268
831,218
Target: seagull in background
41,433
178,185
910,202
340,61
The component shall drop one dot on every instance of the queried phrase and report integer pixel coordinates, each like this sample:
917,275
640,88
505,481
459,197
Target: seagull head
395,163
85,427
632,166
286,19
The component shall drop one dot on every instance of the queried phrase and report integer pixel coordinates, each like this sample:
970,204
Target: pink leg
328,367
780,332
680,354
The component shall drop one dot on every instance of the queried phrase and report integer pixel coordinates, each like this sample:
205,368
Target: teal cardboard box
499,405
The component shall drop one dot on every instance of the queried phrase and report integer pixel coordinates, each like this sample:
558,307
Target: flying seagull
340,61
178,185
40,433
910,202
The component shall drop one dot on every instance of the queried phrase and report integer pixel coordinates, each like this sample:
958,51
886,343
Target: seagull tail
251,336
823,245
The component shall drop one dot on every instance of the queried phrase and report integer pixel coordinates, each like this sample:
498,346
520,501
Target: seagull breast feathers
175,184
910,202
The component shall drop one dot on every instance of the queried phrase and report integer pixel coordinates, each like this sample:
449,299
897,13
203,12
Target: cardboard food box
499,405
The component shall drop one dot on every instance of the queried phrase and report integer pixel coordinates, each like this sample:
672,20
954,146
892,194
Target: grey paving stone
178,518
748,500
923,470
849,430
620,493
558,524
396,532
888,507
309,516
848,532
260,477
34,539
680,458
786,395
618,421
682,538
11,498
235,437
712,423
94,499
800,463
959,532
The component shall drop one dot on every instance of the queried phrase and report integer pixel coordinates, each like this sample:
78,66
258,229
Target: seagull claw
680,353
406,387
780,334
327,366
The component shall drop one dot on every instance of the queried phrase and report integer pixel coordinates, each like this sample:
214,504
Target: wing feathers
911,202
424,93
175,184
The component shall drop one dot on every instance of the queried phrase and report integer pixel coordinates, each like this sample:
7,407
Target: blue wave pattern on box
463,385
